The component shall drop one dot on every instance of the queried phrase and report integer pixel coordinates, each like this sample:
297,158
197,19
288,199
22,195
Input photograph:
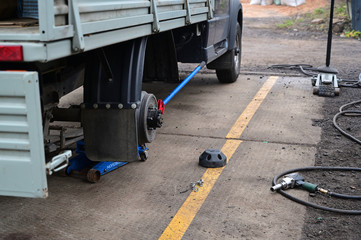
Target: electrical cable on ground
332,194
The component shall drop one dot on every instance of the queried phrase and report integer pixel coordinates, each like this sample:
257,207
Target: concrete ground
139,200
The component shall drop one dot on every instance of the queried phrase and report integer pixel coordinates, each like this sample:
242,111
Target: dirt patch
312,16
336,150
258,11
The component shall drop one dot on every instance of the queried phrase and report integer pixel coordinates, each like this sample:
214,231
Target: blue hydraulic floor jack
97,169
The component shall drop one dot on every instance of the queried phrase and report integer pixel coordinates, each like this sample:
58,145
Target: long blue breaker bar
184,82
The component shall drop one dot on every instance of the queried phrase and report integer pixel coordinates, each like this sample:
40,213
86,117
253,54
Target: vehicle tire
230,75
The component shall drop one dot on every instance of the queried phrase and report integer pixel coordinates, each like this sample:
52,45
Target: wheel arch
161,58
236,15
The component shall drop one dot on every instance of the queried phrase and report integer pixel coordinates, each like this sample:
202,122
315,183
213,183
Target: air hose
304,68
346,112
332,194
309,70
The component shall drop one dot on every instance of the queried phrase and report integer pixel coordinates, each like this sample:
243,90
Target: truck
109,48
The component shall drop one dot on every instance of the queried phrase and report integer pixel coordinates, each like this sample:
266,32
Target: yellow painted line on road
185,215
243,120
181,221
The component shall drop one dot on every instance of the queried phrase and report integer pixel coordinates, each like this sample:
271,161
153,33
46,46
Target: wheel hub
149,118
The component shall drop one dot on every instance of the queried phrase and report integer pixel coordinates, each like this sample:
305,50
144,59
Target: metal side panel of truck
109,47
82,25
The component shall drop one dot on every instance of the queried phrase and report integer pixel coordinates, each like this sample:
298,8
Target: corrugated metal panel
22,160
54,14
16,123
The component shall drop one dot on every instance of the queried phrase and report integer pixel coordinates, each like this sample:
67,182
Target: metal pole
184,82
329,40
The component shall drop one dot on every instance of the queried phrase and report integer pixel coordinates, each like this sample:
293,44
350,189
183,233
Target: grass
288,23
300,20
319,11
341,11
304,21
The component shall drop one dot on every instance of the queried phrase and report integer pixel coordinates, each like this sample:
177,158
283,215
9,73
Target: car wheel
230,75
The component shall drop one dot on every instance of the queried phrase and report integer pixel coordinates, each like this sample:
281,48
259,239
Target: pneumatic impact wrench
294,180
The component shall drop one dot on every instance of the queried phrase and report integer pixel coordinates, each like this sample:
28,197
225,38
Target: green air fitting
309,187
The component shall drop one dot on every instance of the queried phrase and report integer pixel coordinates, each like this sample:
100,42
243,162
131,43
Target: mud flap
22,158
110,134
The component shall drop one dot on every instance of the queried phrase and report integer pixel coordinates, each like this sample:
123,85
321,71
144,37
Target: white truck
49,48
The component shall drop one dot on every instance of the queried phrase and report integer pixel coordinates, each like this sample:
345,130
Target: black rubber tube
344,196
340,129
349,104
304,68
309,204
344,112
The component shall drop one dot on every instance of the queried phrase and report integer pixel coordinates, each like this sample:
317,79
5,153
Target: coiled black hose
309,204
345,112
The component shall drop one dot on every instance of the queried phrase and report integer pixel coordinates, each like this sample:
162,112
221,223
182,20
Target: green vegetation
321,17
319,11
288,23
300,20
341,11
353,34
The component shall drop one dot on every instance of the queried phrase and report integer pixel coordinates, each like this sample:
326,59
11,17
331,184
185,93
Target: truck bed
83,25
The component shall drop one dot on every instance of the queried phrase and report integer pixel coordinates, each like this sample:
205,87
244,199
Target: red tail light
11,53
